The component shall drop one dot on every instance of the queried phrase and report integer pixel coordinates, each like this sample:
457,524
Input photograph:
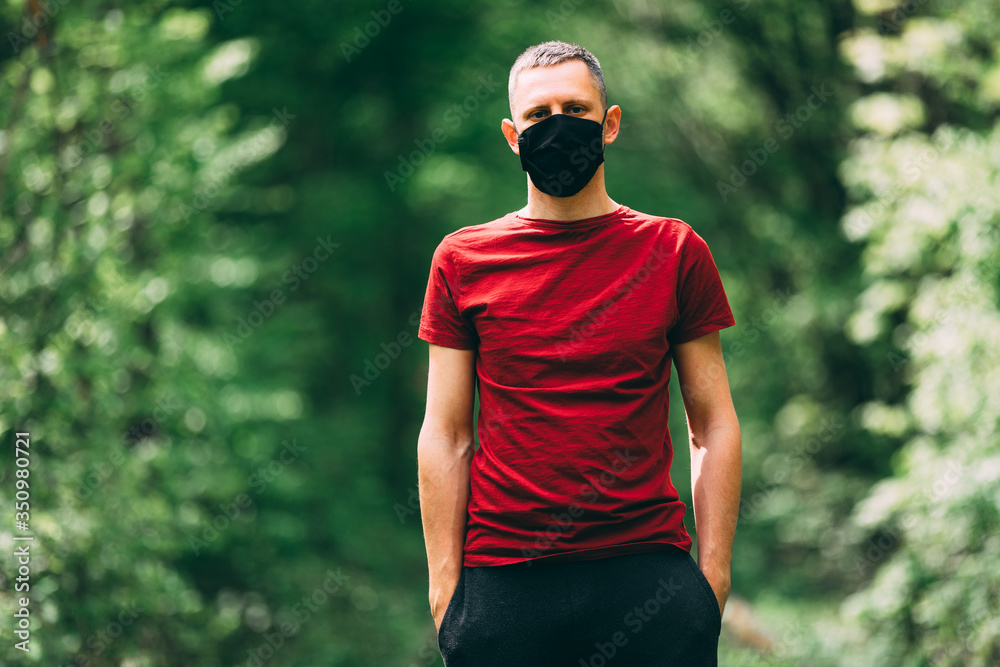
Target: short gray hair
552,53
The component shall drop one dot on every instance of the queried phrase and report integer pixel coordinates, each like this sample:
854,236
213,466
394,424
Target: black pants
653,609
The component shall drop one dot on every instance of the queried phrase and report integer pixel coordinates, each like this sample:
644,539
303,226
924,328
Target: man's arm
716,456
444,454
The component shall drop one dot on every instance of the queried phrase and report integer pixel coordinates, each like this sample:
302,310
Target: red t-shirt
573,323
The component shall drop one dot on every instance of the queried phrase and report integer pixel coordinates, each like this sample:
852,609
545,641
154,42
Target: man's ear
612,124
510,134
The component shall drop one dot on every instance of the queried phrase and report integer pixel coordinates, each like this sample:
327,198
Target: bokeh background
216,223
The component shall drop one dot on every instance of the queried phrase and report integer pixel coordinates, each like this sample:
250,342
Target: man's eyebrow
567,103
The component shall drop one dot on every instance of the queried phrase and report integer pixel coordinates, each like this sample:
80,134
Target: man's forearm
443,482
716,478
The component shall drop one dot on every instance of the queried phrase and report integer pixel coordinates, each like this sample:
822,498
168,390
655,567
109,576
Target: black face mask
562,153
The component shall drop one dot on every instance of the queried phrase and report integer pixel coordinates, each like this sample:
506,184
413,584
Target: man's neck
590,202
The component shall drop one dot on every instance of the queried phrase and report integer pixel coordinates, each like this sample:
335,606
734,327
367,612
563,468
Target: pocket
709,593
452,603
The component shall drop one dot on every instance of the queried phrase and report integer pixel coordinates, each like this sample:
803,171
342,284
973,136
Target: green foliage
926,193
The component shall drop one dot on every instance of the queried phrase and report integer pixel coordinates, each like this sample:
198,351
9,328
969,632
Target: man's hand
439,599
720,582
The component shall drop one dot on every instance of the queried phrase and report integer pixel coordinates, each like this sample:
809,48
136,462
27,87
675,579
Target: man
560,541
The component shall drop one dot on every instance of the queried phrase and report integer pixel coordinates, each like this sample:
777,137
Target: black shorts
650,609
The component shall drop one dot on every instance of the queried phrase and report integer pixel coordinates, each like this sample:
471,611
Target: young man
560,542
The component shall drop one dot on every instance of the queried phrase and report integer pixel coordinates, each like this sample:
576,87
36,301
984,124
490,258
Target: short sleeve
441,321
702,306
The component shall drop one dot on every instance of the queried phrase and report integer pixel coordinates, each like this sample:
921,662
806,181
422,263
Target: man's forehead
570,80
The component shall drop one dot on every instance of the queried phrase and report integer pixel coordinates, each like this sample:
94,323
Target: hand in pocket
439,610
720,587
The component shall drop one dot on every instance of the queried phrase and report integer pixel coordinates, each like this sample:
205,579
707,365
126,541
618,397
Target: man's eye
576,109
538,114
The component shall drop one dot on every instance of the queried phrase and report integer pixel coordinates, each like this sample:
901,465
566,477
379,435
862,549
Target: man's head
561,84
553,53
